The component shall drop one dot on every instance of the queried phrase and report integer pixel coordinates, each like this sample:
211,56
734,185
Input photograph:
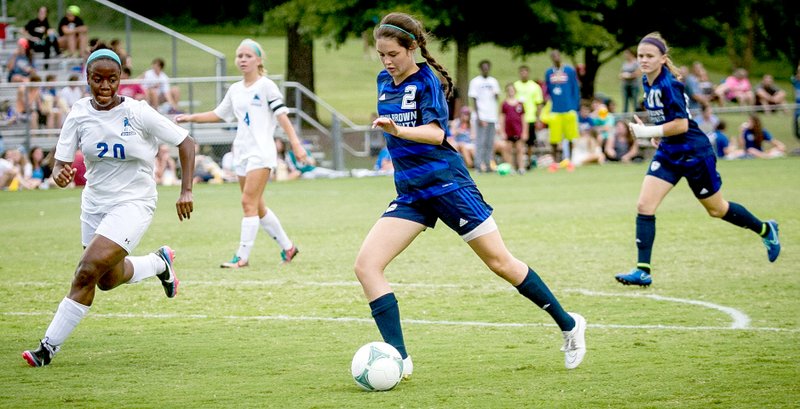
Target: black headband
656,42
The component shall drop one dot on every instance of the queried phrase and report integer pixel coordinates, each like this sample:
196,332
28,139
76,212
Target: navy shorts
462,210
700,170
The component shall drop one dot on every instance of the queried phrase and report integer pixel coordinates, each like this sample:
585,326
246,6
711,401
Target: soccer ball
504,169
377,366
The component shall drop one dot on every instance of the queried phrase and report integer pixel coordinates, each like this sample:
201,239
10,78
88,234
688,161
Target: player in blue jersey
433,183
118,137
683,151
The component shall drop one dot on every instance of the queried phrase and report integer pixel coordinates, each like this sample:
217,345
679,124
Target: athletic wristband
644,131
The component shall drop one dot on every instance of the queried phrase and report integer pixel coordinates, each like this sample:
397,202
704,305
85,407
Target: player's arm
200,117
185,204
430,133
63,173
675,127
297,146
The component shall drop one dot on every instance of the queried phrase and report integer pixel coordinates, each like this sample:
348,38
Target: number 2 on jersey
117,150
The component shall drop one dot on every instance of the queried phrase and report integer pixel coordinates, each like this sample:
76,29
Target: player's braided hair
406,30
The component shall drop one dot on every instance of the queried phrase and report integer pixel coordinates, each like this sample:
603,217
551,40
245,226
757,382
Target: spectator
73,34
736,88
630,74
796,84
130,89
38,169
116,45
622,147
753,136
205,168
20,64
462,135
159,91
307,168
515,129
707,121
723,147
530,93
703,90
586,149
166,169
564,91
767,93
602,121
8,172
70,94
41,37
384,163
54,108
30,105
483,91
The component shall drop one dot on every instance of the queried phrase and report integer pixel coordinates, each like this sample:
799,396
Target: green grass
283,336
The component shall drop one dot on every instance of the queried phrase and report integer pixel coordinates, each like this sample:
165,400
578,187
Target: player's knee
715,212
86,275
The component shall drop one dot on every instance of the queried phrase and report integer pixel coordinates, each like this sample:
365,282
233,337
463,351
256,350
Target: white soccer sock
69,314
248,236
146,267
272,226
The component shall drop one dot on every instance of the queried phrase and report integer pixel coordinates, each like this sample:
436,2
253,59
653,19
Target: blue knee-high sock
533,288
738,215
387,315
645,236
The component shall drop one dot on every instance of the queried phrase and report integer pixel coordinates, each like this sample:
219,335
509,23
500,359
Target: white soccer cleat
575,342
408,367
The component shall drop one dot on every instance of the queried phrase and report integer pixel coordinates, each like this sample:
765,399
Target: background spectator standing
159,91
515,129
484,91
736,88
40,35
20,64
767,93
564,90
73,34
630,74
530,93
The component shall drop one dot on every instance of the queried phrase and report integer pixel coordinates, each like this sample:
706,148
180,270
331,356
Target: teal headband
413,37
103,53
254,46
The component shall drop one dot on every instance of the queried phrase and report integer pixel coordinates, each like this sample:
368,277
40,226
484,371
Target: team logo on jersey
654,166
247,118
256,101
126,128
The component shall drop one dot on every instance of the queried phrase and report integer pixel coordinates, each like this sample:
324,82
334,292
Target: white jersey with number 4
119,147
256,109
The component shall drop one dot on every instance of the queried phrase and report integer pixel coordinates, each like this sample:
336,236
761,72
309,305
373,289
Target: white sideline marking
740,320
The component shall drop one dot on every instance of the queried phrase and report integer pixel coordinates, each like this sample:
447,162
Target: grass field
720,327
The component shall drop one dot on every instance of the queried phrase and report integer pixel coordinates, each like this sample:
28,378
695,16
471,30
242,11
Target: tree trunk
300,68
591,58
462,71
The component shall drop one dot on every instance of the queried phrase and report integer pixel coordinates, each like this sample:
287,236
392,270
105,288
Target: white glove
646,132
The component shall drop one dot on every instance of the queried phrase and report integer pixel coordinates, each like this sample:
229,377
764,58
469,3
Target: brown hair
757,129
405,29
656,37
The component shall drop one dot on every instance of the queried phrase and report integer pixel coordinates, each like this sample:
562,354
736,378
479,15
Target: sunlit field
720,327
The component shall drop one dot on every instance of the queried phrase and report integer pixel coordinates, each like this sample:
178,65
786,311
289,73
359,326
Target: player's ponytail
406,30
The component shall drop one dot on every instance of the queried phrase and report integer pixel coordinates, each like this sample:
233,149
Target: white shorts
251,163
124,224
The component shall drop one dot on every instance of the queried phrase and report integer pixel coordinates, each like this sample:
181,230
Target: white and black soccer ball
377,366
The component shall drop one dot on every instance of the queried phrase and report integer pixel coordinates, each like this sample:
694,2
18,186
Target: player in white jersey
257,105
118,137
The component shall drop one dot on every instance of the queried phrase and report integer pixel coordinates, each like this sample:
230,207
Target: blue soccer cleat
168,278
635,277
771,241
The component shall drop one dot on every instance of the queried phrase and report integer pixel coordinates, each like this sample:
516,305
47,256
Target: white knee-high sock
272,226
145,267
67,317
248,236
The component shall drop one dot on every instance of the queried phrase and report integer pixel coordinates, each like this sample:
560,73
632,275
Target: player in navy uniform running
433,183
683,151
119,138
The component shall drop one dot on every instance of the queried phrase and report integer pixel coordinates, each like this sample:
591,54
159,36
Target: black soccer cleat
42,355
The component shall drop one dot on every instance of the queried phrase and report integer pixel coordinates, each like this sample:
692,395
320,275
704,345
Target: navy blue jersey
666,101
421,171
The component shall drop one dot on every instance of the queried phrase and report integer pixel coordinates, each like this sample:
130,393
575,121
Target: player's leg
738,215
252,186
653,192
556,137
387,239
272,225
